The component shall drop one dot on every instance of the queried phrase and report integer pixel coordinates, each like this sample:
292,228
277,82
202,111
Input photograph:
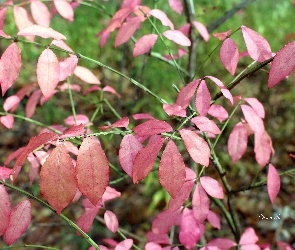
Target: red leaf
111,221
257,106
178,37
74,130
10,65
237,142
144,44
206,125
111,90
92,170
273,183
172,169
201,204
145,159
152,127
164,220
86,75
218,112
203,99
5,209
213,220
48,73
162,17
122,123
257,46
20,218
212,187
64,9
226,93
67,67
40,13
202,30
127,30
254,121
282,65
262,148
7,121
176,5
229,55
57,179
196,146
38,30
10,102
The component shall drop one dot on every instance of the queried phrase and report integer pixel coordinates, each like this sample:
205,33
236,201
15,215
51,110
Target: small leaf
186,94
162,17
124,245
111,221
40,13
273,183
229,55
257,106
32,103
222,35
22,18
203,99
164,220
144,44
254,121
222,243
202,30
79,119
174,109
5,209
122,123
206,125
248,237
10,102
86,75
67,67
226,93
152,127
7,121
213,219
262,148
85,221
178,37
212,187
200,203
44,32
4,174
64,9
218,112
176,5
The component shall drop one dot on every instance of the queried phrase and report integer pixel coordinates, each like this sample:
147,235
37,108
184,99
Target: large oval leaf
178,37
229,55
144,44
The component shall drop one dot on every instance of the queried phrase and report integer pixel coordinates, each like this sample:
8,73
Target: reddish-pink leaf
86,75
229,55
158,238
10,65
257,106
213,219
145,159
85,221
20,218
196,146
185,29
202,30
10,102
79,119
129,148
74,130
189,233
174,109
152,127
7,121
64,9
273,183
48,73
223,89
222,35
206,125
124,245
5,209
32,103
262,148
218,112
237,142
5,173
176,5
144,44
162,17
178,37
38,30
67,67
92,170
111,221
40,13
203,99
122,123
127,30
282,65
257,46
222,243
186,94
254,121
57,179
172,169
200,203
118,18
212,187
248,237
142,116
164,220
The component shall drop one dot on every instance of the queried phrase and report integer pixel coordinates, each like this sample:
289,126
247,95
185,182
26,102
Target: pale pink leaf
257,106
218,112
111,221
212,187
178,37
10,102
162,17
164,220
254,121
79,118
174,109
152,127
196,146
40,13
229,55
237,142
124,245
222,243
111,90
21,17
67,67
74,130
206,125
20,218
213,219
64,9
63,45
32,103
153,246
262,148
4,174
10,65
203,99
5,209
144,44
118,19
145,159
44,32
222,35
202,30
48,73
58,179
186,94
85,221
171,169
248,237
273,183
176,5
200,203
122,123
92,170
86,75
2,17
257,46
127,30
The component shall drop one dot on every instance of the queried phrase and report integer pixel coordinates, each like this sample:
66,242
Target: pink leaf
248,237
124,245
273,183
85,221
257,106
206,125
47,73
178,37
111,90
282,65
222,243
32,103
57,179
254,121
144,44
74,130
142,116
257,46
164,220
222,35
202,30
22,18
185,29
158,238
67,67
92,170
44,32
162,17
64,9
203,99
186,94
172,169
118,18
10,102
40,13
127,30
2,17
20,218
176,5
145,159
229,55
152,127
212,187
196,146
111,221
262,148
4,174
7,121
237,142
5,209
201,204
79,119
153,246
86,75
213,219
218,112
122,123
10,65
174,109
